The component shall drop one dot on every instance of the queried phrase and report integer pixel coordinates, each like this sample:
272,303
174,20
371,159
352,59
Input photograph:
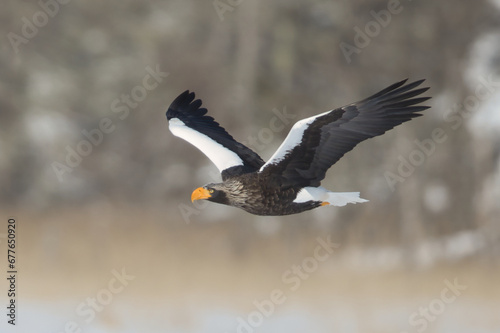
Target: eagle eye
211,190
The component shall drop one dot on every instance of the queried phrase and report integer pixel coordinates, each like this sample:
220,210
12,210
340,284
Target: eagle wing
316,143
188,120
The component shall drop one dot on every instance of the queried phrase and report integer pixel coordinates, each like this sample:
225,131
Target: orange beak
200,193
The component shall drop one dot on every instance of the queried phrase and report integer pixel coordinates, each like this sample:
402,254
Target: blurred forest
283,55
104,73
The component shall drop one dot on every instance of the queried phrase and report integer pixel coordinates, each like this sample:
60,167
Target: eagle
290,181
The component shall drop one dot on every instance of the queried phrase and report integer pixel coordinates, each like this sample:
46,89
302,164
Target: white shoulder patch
293,139
222,157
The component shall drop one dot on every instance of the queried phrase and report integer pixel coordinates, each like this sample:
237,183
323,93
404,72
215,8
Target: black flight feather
330,136
190,112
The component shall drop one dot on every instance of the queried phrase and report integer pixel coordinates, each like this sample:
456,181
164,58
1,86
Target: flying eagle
289,182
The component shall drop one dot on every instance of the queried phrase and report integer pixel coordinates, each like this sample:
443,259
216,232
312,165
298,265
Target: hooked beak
200,193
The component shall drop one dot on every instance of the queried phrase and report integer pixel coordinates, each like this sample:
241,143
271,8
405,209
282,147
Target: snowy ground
467,316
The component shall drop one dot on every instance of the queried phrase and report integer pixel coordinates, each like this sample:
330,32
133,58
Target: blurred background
108,240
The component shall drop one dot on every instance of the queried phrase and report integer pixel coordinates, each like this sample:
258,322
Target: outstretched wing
316,143
187,120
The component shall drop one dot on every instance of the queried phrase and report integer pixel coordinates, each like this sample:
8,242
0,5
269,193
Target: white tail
332,198
343,198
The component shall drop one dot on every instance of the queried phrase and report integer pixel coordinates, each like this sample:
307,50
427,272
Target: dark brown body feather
256,194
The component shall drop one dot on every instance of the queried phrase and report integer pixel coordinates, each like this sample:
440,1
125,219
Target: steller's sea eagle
289,182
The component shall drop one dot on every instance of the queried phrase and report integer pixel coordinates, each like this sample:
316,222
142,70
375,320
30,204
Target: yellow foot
324,203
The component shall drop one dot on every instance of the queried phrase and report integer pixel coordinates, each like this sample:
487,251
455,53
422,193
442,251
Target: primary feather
188,120
316,143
